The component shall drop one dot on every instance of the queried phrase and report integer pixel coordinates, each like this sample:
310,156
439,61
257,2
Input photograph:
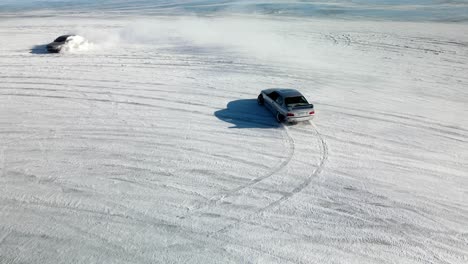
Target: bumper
292,119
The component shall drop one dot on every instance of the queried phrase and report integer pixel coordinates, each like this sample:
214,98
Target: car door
270,100
278,104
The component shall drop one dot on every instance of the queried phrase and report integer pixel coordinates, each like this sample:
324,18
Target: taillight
312,113
290,114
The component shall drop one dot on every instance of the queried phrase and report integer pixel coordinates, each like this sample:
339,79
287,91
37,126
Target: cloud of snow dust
253,37
76,44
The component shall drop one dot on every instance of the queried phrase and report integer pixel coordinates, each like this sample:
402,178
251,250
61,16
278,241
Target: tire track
216,199
409,120
284,163
324,157
315,173
288,139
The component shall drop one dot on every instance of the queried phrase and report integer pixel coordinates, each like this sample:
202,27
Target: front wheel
279,117
260,99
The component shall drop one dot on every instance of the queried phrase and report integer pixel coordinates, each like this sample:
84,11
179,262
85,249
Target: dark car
58,44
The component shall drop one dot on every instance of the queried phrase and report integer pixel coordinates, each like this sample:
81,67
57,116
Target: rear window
61,39
297,100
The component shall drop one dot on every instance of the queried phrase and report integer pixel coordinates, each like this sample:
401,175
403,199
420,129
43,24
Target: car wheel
279,117
260,99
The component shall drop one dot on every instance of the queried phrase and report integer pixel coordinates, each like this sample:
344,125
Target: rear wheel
260,99
279,117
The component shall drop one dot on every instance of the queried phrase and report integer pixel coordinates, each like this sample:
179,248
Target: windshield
297,100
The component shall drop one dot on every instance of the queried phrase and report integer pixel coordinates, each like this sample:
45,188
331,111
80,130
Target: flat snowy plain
147,146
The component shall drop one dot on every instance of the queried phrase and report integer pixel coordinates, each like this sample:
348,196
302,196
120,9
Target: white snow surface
150,147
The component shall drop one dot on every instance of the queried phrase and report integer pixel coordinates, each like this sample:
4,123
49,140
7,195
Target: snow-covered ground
147,146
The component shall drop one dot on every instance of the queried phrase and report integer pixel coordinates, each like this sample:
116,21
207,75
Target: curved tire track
216,199
323,158
315,173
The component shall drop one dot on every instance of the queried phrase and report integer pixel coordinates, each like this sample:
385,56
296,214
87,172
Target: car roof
284,92
66,36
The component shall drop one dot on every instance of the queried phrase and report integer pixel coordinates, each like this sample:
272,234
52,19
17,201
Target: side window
273,96
61,39
279,100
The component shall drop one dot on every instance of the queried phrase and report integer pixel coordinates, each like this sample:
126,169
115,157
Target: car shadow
246,113
39,49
